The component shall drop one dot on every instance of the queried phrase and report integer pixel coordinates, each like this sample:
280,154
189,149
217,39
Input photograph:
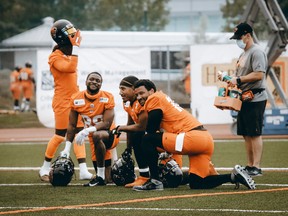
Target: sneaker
150,184
138,182
86,176
97,181
240,175
253,171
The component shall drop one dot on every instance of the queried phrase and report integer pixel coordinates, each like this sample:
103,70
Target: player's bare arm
108,117
72,127
140,126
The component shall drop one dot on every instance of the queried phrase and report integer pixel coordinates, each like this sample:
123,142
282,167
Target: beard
92,91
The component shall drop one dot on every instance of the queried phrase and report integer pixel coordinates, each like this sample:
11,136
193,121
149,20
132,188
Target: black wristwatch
238,80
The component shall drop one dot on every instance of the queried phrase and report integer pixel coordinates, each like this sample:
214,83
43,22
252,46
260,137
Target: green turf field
22,193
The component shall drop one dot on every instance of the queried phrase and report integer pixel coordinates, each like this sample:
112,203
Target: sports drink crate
227,103
228,99
276,121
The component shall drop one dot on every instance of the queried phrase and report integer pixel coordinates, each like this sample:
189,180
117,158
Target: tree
17,16
234,9
127,15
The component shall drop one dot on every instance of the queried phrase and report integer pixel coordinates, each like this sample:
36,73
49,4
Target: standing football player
15,87
27,83
97,110
183,134
63,63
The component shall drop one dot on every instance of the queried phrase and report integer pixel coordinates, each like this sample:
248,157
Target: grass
22,190
27,192
19,120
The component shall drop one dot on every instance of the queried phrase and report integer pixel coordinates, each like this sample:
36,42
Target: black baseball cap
241,29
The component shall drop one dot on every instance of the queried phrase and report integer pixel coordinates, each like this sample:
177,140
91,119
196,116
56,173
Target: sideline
41,209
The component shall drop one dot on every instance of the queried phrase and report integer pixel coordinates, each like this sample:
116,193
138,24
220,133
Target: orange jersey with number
26,75
179,138
175,118
91,108
134,110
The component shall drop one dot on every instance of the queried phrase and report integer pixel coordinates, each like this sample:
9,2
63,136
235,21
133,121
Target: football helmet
170,173
62,171
122,171
60,31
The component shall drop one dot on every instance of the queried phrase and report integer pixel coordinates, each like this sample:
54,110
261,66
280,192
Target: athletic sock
101,172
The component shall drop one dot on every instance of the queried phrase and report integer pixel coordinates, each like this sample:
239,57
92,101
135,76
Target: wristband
238,80
75,50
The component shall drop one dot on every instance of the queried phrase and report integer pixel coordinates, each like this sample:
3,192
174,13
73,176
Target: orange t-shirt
134,110
64,71
175,118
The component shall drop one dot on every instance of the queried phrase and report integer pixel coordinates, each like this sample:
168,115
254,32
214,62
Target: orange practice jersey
91,108
175,118
26,75
134,110
187,81
64,71
15,84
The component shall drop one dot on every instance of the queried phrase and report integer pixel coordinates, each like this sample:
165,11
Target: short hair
128,81
148,84
94,72
28,64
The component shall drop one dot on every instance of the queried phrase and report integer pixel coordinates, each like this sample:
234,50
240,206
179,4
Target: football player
15,87
182,134
27,82
96,108
63,63
135,128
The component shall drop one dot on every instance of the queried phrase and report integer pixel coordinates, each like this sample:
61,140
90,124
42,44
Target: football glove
80,137
66,152
116,132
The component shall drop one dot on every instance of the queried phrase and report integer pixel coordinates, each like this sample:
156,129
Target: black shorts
250,118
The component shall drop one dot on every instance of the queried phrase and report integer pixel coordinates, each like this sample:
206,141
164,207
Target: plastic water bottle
222,91
224,76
